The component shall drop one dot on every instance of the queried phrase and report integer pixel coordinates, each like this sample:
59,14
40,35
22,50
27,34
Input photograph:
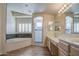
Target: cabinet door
48,44
62,52
63,48
74,51
54,50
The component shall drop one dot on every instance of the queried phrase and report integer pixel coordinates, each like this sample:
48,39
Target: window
30,27
20,25
68,24
39,24
76,24
23,25
25,28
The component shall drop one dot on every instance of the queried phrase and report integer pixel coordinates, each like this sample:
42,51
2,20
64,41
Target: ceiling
29,8
35,7
74,9
45,7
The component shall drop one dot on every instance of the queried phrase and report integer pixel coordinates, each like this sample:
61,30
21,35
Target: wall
10,22
2,27
60,21
46,19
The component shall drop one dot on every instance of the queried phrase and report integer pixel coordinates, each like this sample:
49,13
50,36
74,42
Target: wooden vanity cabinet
52,46
74,50
63,48
54,49
68,49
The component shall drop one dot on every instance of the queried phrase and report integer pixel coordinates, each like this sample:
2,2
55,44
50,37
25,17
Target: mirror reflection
72,23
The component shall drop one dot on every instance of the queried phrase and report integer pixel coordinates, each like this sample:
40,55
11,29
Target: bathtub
17,43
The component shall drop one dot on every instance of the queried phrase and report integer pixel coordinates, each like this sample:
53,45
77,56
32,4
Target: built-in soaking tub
15,43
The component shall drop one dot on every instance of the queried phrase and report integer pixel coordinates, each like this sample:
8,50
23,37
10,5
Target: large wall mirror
76,24
72,20
72,24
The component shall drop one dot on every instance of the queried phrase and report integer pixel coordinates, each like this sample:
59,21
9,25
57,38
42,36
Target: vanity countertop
54,39
70,40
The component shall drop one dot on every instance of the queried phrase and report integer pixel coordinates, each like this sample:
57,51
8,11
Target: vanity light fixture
65,7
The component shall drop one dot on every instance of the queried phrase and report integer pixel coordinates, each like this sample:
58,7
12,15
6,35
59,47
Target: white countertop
53,38
71,40
74,41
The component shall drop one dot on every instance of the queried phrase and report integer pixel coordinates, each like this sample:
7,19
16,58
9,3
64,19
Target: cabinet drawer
62,52
64,46
74,51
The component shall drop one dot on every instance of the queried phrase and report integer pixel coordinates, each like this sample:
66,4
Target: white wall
47,18
2,27
10,22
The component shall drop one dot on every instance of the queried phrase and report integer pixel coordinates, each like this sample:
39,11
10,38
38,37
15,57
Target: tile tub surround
24,35
10,36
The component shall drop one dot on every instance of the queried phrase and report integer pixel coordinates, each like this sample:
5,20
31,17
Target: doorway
38,29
